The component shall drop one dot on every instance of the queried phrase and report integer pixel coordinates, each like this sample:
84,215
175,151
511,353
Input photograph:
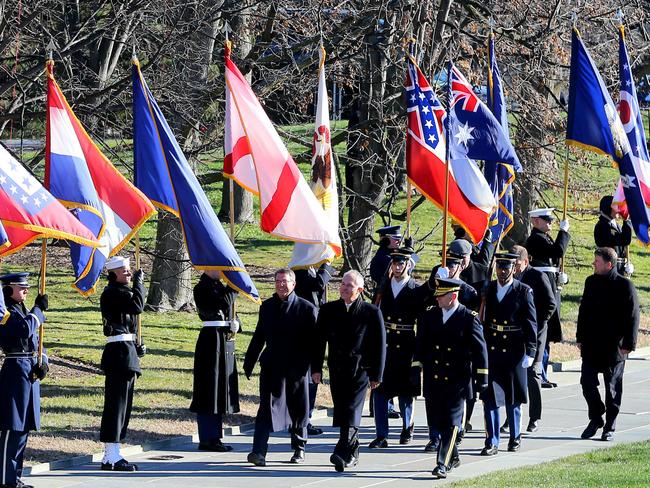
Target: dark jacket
608,318
356,341
607,233
311,284
20,399
120,305
379,264
544,300
216,387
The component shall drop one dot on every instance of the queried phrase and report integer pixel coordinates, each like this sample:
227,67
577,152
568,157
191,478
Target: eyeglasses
283,282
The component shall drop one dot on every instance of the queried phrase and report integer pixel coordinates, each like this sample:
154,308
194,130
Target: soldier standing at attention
545,255
21,375
390,238
120,306
511,337
451,350
608,233
216,388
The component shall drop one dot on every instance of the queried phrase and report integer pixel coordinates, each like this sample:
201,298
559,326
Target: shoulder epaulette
473,313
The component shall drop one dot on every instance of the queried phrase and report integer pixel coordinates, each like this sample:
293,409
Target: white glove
527,362
442,273
564,225
234,326
629,268
563,279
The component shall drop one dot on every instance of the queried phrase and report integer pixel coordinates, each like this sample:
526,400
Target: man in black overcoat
451,350
120,306
511,337
281,343
216,387
608,233
354,334
608,325
544,300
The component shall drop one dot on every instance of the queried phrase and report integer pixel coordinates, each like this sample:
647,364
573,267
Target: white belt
121,338
546,269
217,323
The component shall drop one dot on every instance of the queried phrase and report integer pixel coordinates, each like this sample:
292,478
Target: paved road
398,466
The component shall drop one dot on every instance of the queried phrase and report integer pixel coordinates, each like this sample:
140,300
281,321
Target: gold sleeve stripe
4,318
482,371
416,363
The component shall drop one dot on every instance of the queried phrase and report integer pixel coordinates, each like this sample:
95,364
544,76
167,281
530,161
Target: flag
323,179
164,175
499,176
594,124
257,159
470,200
83,179
29,212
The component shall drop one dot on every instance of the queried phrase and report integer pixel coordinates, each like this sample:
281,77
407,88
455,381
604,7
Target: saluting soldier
451,350
511,337
608,233
120,305
545,255
216,388
281,341
402,299
20,376
354,334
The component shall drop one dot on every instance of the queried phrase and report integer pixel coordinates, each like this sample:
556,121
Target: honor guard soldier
353,332
281,343
390,237
401,301
20,376
608,233
451,350
511,337
120,305
607,330
544,301
475,265
216,389
311,284
545,255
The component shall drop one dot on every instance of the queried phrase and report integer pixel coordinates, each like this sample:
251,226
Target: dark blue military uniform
20,399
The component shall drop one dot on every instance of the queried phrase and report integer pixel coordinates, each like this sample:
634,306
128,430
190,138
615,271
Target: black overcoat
216,387
282,342
607,233
356,343
608,319
544,300
311,283
510,332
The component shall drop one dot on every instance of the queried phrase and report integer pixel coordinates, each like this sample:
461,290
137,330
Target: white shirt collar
502,290
397,286
448,313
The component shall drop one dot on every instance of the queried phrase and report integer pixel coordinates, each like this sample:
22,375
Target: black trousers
613,382
447,449
348,443
263,428
118,400
535,391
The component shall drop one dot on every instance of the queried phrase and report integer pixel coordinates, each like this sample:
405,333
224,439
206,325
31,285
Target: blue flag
594,124
500,176
164,175
4,238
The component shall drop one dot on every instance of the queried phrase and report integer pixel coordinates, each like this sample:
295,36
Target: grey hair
286,271
358,277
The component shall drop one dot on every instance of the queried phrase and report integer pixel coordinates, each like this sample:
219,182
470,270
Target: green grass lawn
625,465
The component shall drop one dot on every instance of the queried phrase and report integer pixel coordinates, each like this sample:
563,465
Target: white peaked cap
117,262
542,212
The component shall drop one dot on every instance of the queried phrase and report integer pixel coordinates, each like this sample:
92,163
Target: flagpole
566,196
41,291
445,213
231,195
138,318
408,207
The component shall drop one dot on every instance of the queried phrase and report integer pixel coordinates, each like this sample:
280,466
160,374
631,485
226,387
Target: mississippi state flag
84,180
258,160
470,199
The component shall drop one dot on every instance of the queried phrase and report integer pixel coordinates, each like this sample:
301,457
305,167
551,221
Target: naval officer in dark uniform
390,238
511,337
216,387
120,305
353,332
451,350
545,255
608,233
20,376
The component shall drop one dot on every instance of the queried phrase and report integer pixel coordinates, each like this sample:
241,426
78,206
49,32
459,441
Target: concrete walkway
398,466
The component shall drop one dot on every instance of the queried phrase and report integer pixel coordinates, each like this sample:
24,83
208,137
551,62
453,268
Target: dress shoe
20,484
121,465
256,459
378,443
592,428
352,460
338,462
468,427
298,456
313,431
214,446
547,384
394,414
490,451
454,463
432,446
533,426
514,444
607,435
406,436
439,472
504,428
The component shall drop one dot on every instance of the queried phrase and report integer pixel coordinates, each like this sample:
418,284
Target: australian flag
594,124
500,176
164,175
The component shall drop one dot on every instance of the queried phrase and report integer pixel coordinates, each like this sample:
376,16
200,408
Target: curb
147,446
575,364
